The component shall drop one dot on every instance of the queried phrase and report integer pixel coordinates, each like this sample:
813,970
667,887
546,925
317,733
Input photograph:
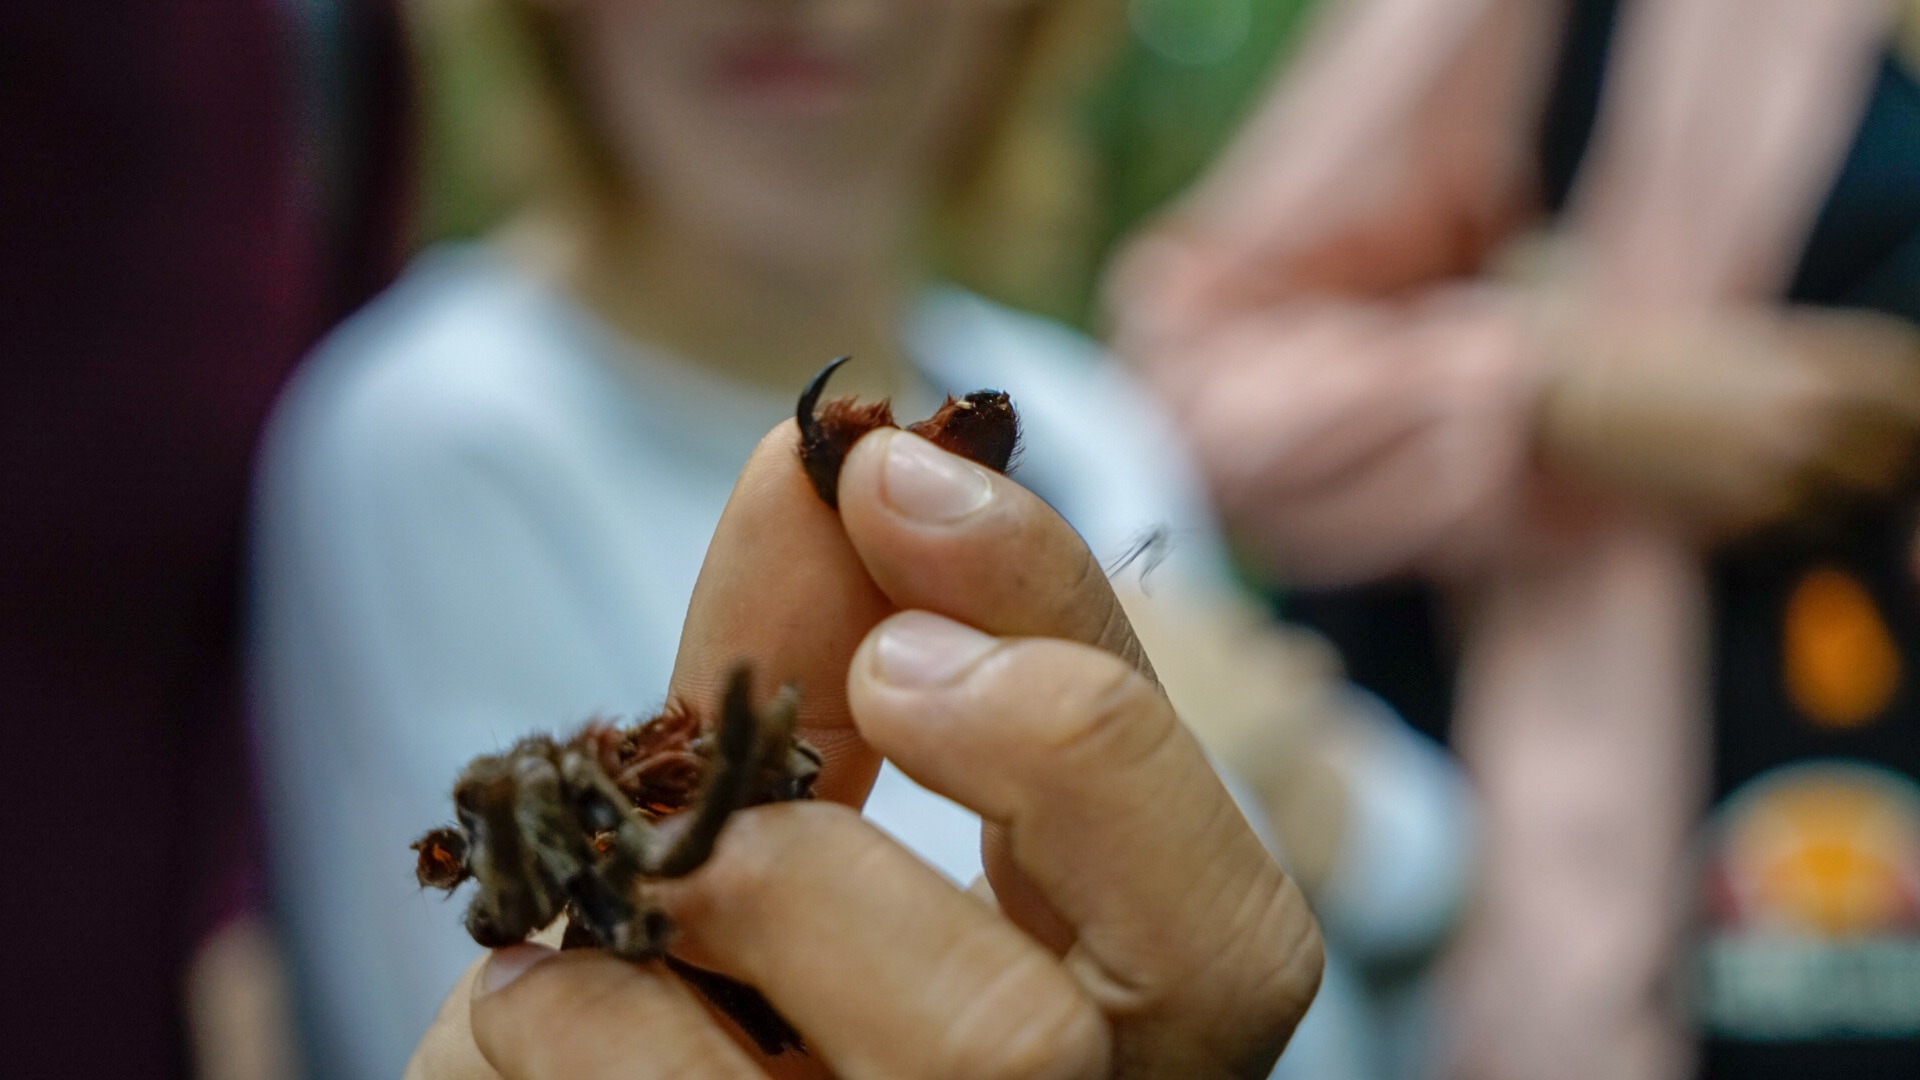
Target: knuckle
1082,577
1112,710
1085,609
592,1014
583,994
1030,1024
762,849
1283,964
514,1027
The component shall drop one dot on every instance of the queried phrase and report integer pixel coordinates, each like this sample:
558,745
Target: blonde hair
499,119
1909,35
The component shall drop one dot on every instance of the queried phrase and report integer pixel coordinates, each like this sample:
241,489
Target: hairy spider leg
512,899
632,842
746,741
787,767
544,825
442,859
550,823
980,427
749,747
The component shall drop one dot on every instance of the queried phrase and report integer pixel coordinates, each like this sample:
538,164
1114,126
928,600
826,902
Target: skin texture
765,172
1133,926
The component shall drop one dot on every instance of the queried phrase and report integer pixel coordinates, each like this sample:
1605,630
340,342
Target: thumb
783,589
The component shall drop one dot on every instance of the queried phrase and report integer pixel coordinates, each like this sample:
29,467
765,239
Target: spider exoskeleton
578,826
982,427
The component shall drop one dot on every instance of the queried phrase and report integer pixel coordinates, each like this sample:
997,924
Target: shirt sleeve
1406,862
413,608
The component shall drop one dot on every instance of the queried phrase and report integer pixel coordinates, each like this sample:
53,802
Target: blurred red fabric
159,275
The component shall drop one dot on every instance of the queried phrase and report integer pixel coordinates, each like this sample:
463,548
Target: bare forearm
1724,122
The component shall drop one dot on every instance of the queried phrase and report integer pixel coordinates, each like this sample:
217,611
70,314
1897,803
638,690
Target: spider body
578,826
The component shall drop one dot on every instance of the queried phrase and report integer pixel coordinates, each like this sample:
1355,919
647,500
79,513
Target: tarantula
549,826
578,826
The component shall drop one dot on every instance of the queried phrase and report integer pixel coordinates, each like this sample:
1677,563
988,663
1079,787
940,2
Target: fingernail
510,963
920,649
925,483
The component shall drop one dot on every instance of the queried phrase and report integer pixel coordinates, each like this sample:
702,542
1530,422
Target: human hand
1360,409
1130,924
1397,153
1349,441
1731,419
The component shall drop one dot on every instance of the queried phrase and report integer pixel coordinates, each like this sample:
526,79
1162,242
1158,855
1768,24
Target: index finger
783,589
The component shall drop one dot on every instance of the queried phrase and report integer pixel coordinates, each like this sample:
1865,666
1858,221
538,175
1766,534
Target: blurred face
795,132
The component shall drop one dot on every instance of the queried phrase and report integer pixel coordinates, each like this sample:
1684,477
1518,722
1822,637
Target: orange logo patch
1812,925
1841,665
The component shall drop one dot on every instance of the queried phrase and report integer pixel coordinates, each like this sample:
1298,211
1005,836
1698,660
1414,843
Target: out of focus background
1523,397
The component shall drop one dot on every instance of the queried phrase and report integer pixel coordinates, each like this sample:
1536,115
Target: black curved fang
810,397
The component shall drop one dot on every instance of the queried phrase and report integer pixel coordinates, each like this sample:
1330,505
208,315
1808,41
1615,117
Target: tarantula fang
982,427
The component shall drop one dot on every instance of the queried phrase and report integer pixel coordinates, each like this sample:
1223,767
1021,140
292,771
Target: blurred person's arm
239,1008
1580,718
1723,125
1316,413
1724,419
1348,429
1583,690
1674,376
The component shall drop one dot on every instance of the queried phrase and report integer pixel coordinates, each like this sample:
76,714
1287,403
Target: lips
787,74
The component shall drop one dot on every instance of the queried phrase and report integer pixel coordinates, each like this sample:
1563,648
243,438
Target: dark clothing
1808,963
1816,816
154,284
1844,1002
